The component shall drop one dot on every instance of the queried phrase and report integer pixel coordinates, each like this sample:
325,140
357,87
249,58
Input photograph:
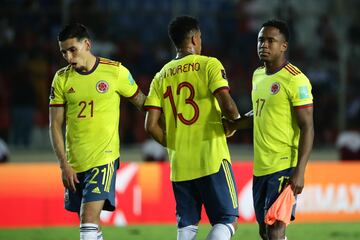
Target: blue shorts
96,184
218,193
266,190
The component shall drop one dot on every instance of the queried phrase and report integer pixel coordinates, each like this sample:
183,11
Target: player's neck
273,67
90,62
182,52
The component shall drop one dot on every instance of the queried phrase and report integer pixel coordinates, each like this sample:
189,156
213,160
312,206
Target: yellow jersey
183,90
276,132
92,108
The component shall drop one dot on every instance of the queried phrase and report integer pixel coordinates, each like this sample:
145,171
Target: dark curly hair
281,25
180,27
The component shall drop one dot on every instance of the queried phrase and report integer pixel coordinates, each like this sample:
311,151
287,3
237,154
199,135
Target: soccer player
283,125
186,101
87,94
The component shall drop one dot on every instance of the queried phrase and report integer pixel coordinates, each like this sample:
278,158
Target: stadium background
325,45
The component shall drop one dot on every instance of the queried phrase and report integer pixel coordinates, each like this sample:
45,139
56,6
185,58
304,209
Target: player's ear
284,46
87,44
193,39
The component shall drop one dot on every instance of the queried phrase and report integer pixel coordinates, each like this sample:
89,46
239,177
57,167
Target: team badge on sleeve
102,86
303,92
275,88
131,79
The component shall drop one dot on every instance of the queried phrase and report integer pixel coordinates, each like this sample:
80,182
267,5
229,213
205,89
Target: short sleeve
127,85
56,92
300,91
153,100
216,75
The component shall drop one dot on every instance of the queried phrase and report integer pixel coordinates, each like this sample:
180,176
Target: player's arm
245,122
228,109
227,104
153,125
138,100
69,177
304,118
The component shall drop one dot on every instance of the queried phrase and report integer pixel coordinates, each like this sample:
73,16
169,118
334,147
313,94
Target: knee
90,212
89,217
277,231
232,226
235,224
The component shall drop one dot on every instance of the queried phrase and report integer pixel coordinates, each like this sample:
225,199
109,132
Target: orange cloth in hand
281,208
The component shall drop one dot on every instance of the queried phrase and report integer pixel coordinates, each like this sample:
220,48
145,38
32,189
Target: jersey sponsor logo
303,92
223,74
71,90
96,190
52,93
102,86
275,88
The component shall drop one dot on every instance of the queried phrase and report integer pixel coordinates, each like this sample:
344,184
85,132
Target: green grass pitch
295,231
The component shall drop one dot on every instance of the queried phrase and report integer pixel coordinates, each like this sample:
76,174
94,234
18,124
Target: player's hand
249,113
69,177
297,182
227,127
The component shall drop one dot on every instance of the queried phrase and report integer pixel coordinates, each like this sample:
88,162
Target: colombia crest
275,88
102,86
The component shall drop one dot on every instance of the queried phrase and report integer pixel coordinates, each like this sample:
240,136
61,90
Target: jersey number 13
189,100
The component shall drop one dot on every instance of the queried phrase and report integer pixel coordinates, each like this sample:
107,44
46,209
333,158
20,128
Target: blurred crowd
324,44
